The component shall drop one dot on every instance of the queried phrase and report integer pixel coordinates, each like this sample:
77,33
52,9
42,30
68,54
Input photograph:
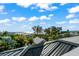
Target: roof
74,52
13,52
56,48
53,48
74,39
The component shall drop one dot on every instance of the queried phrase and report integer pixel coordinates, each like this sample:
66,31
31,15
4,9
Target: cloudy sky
21,17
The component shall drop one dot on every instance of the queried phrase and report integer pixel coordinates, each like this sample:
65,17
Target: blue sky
19,17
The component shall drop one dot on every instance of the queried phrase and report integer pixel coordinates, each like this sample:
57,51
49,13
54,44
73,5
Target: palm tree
37,29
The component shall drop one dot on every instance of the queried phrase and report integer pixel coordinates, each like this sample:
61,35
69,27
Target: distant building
73,33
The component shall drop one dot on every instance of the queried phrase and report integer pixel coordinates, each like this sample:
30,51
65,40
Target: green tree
53,32
5,33
3,45
22,40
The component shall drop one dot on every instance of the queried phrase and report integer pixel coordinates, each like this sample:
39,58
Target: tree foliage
22,40
53,32
3,45
5,33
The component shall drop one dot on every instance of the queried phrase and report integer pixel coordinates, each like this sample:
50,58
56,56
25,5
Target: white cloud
24,4
70,16
2,8
45,6
63,4
41,10
44,18
74,21
50,15
20,19
4,21
53,7
42,6
32,7
61,22
72,12
74,9
34,18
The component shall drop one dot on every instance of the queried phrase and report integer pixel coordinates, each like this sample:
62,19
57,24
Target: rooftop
61,47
